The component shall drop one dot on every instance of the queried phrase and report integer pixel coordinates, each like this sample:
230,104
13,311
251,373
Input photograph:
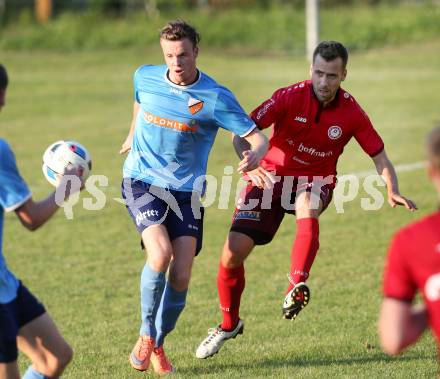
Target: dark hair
3,77
178,30
433,146
331,50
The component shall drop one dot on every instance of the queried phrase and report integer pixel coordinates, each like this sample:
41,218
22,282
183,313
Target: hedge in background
276,29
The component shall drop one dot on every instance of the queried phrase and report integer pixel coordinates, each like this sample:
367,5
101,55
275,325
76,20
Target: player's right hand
262,178
67,185
397,199
249,162
126,146
75,171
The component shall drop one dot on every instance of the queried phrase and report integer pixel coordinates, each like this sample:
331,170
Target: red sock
230,285
304,250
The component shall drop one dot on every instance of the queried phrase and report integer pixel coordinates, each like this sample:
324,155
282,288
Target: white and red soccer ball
62,154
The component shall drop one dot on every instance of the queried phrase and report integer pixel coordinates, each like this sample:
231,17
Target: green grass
86,271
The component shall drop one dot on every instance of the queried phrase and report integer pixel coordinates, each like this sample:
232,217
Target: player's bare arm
240,145
400,324
33,214
256,149
386,170
126,146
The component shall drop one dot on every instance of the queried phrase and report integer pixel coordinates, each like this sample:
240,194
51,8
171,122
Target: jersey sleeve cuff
249,130
399,298
377,152
19,204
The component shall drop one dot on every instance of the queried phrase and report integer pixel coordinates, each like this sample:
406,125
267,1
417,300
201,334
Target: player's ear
434,175
344,74
432,172
311,70
196,51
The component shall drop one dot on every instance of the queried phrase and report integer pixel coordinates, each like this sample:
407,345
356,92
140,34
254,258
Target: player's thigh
184,250
41,341
188,220
9,370
310,203
258,218
159,249
148,210
236,249
304,207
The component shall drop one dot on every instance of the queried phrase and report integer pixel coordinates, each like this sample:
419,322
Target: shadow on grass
211,367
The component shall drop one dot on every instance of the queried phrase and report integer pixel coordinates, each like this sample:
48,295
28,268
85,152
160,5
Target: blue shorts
14,315
180,212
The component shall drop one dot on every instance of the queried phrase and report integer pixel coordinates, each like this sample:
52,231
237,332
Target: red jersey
308,139
414,264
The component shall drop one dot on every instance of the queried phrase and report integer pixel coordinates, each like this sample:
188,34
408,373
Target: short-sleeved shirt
413,264
13,193
308,139
176,127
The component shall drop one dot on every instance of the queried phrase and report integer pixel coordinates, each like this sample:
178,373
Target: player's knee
160,261
180,281
54,365
391,347
233,254
63,358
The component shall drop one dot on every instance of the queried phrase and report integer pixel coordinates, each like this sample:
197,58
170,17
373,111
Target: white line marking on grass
405,167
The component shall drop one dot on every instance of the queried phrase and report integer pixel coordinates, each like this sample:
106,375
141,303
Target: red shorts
259,212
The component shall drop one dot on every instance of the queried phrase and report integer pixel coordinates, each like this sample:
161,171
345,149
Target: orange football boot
141,353
160,362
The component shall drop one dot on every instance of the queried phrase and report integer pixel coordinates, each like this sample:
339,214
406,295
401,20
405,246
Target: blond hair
178,30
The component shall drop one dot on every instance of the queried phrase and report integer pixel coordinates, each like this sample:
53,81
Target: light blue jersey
13,193
176,127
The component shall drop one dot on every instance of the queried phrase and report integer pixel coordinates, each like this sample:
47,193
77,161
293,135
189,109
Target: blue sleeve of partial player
229,115
13,189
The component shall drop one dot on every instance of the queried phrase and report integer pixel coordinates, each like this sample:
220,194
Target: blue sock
171,306
152,285
31,373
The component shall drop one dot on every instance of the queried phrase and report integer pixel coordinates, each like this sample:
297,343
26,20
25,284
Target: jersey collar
333,103
199,77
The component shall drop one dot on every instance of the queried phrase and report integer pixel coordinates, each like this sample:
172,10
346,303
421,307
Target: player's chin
324,96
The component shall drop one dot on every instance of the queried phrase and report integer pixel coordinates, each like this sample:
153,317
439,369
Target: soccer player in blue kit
24,322
177,112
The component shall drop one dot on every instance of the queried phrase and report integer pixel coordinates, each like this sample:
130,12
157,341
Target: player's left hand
126,146
249,162
262,178
395,199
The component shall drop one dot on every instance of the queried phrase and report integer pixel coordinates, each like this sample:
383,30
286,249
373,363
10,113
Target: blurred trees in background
10,9
256,26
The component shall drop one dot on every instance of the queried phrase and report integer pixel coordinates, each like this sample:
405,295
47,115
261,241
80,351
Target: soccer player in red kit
413,265
312,122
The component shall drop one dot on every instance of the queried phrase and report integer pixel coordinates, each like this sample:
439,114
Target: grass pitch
86,271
